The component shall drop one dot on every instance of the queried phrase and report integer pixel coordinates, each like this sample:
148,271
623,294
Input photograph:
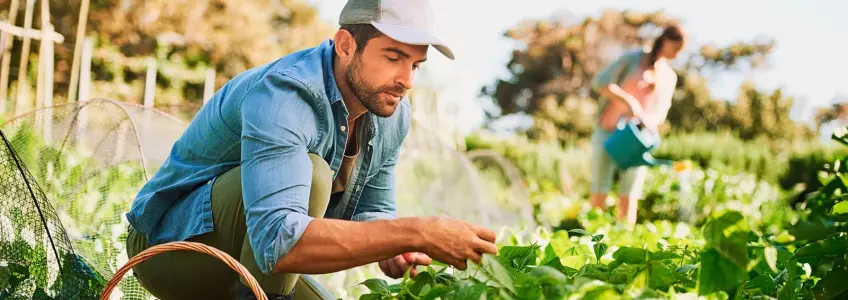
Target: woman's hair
670,33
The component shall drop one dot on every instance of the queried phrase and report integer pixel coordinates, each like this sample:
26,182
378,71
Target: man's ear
345,44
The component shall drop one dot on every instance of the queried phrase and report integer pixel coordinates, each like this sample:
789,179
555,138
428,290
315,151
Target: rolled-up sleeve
664,100
377,201
277,127
612,73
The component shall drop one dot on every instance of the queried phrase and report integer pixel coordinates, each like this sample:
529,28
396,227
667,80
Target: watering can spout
648,160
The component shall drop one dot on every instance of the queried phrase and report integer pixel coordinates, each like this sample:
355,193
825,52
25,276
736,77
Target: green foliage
28,279
727,259
738,254
91,199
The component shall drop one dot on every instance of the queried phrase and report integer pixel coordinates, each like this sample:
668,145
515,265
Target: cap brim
413,36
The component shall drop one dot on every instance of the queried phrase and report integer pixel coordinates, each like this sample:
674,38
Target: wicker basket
192,246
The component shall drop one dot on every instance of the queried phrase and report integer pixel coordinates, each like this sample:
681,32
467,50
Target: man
290,168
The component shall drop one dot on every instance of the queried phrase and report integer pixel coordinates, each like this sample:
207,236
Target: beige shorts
603,170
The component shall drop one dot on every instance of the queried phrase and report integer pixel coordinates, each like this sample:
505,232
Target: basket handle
193,246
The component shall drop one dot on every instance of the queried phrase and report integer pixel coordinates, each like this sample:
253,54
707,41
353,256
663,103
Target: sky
809,61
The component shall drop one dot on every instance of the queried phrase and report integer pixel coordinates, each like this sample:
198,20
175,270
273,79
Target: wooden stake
150,83
22,68
209,86
83,18
85,88
6,61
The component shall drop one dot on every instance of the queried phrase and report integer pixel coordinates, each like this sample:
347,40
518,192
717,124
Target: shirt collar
330,85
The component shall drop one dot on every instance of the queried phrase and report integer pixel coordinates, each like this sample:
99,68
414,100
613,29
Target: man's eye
416,67
393,59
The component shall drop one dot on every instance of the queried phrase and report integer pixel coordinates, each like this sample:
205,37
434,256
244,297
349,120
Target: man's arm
330,245
278,125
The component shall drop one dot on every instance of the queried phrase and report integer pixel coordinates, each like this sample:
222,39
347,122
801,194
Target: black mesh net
90,160
37,260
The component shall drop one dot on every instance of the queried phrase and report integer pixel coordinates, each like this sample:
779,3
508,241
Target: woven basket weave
191,246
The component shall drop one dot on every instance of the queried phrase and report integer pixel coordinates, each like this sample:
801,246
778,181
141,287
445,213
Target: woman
638,84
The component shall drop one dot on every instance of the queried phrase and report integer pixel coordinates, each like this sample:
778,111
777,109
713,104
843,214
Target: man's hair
361,33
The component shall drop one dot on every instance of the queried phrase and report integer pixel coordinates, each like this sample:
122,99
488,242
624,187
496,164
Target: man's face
382,73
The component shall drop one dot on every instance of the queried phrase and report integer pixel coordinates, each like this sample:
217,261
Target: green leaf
661,277
788,290
547,275
763,284
549,253
663,255
498,272
579,231
836,244
840,208
629,255
728,234
597,238
718,273
638,284
580,250
622,274
574,262
557,264
560,243
770,254
596,271
834,283
372,297
416,285
783,256
504,294
439,290
602,292
517,257
685,268
395,288
376,285
470,290
445,278
600,250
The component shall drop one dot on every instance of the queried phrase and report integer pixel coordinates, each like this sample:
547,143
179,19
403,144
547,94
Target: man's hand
454,242
330,245
396,267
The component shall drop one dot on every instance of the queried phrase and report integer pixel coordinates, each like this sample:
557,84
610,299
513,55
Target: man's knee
322,183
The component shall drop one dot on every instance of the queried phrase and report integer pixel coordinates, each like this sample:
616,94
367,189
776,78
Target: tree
550,72
837,111
231,35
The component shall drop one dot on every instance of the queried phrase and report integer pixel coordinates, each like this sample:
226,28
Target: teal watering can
630,145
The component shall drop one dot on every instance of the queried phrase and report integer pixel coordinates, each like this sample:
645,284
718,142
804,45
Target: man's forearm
329,245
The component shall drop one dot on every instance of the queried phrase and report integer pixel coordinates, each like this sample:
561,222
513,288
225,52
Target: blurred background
94,92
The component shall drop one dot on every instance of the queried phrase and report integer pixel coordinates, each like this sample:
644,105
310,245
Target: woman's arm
615,93
606,83
657,116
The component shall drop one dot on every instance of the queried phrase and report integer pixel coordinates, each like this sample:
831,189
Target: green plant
725,259
749,245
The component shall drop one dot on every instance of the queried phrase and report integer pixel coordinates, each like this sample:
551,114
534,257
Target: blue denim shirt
267,119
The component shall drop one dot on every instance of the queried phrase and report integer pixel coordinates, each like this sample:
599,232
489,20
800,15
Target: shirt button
343,128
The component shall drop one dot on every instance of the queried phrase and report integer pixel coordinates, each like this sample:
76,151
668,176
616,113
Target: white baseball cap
406,21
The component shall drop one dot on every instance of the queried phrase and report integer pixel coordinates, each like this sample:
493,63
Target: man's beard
369,95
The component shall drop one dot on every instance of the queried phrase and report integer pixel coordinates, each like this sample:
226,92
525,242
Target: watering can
631,143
